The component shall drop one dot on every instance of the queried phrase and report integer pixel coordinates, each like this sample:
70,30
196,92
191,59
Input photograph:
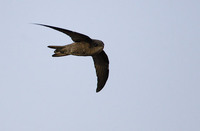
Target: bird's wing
101,63
75,36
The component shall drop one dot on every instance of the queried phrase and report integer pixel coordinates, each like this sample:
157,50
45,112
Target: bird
83,45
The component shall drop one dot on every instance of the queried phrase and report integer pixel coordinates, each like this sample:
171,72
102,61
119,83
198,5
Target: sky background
154,52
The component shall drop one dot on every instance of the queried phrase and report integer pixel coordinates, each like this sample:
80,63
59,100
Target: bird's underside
77,48
85,46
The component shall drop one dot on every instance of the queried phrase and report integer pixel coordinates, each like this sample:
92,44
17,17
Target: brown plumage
85,46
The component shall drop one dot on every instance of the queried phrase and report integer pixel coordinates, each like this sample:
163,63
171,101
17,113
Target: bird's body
78,49
85,46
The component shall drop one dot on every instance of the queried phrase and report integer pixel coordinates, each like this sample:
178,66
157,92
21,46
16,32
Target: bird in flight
83,45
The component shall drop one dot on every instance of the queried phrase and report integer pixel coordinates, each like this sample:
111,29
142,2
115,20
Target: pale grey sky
154,53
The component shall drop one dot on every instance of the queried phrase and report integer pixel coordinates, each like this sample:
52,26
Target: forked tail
58,51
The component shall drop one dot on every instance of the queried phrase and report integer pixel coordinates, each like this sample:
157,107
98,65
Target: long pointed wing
101,63
75,36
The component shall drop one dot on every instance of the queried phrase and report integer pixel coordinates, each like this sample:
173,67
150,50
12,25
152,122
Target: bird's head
98,44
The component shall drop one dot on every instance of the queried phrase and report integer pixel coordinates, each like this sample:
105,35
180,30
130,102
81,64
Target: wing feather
75,36
101,63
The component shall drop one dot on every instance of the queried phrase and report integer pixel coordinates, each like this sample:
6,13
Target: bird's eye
95,44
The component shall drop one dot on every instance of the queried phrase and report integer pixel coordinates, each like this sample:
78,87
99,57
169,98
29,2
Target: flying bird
83,45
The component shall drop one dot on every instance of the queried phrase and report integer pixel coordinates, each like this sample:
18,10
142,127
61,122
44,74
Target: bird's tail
55,47
58,51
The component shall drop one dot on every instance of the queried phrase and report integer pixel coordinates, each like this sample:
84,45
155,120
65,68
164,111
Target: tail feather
58,55
58,51
55,47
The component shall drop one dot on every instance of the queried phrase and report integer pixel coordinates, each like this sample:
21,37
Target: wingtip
35,23
98,90
39,24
